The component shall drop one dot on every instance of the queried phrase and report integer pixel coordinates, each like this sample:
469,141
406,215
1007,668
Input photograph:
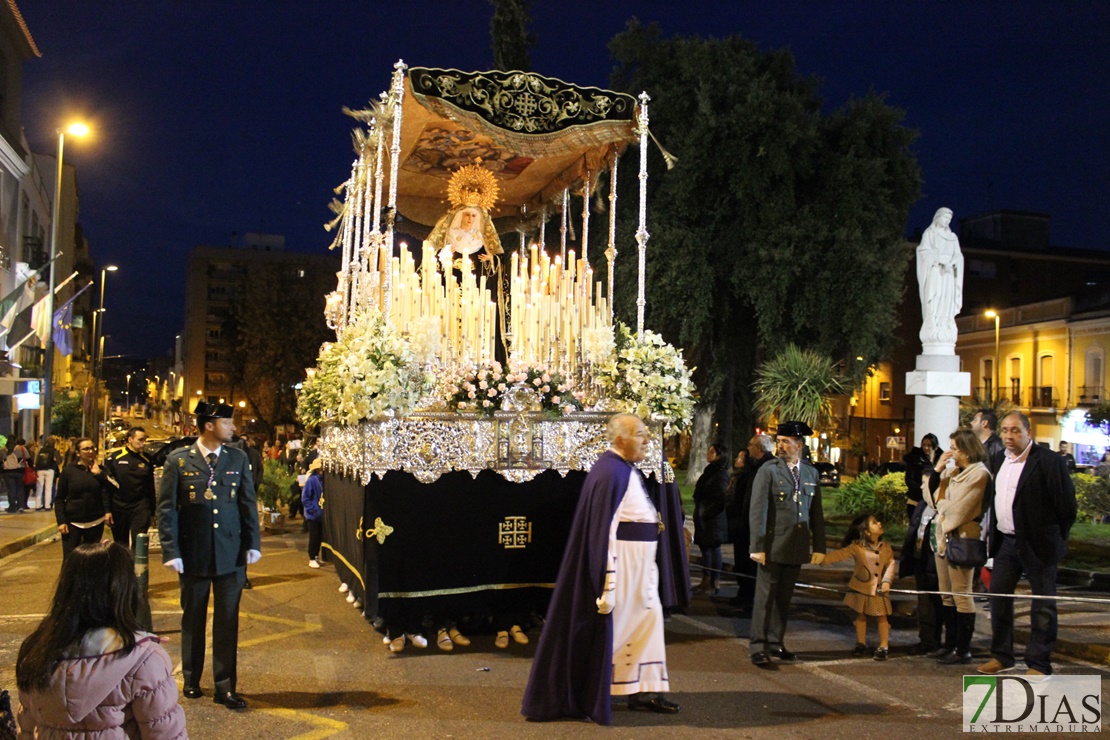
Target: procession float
477,358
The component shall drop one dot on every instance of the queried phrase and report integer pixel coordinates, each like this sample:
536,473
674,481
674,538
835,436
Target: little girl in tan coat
870,582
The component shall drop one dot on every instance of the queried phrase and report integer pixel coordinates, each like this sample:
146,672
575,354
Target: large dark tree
277,328
508,30
779,223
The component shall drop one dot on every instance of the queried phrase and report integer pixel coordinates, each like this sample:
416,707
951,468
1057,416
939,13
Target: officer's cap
794,429
212,410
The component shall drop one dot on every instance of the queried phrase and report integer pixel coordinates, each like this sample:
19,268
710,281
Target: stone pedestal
937,385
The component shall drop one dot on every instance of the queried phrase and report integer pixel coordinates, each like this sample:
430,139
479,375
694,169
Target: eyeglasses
86,449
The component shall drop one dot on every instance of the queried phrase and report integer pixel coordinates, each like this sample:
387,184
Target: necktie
797,478
211,458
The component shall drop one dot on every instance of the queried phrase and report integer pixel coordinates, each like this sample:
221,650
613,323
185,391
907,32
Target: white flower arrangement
598,345
369,372
647,377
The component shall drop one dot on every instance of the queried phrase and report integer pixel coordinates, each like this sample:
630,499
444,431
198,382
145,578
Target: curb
27,540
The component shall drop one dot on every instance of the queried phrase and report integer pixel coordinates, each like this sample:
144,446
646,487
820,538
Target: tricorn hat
794,429
213,410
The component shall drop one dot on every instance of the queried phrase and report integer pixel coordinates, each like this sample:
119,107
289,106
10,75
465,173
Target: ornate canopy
537,135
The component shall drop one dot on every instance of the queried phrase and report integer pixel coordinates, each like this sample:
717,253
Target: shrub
1092,494
885,497
277,482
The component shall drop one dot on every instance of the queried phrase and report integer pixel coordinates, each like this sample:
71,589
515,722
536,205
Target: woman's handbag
966,552
30,476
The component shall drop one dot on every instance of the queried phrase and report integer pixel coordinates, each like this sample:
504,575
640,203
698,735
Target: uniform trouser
226,591
1009,562
774,587
130,522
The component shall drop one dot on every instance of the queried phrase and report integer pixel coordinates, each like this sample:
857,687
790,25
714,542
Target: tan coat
959,503
872,566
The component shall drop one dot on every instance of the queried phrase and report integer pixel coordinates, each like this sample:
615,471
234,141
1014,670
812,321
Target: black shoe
231,700
656,704
783,654
859,650
247,583
940,653
881,653
955,658
763,660
192,692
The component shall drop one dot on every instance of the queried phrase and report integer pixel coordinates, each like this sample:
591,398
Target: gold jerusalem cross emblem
514,533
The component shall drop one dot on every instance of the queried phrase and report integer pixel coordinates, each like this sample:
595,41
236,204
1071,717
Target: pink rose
486,404
556,399
483,385
501,387
492,392
546,378
546,389
470,394
537,382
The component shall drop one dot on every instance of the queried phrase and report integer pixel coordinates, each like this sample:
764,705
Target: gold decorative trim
344,560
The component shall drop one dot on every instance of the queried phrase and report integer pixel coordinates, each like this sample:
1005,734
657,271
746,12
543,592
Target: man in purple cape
599,599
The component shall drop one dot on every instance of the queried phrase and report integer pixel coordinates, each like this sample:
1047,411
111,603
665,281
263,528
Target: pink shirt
1005,488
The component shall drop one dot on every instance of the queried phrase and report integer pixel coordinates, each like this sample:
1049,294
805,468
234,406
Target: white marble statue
940,280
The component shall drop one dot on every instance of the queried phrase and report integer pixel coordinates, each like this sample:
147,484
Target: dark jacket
710,521
917,464
134,474
994,446
1044,506
82,496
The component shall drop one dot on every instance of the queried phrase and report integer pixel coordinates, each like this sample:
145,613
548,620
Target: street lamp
992,314
128,392
97,353
75,129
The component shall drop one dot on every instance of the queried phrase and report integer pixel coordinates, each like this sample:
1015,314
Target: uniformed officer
131,493
208,524
786,519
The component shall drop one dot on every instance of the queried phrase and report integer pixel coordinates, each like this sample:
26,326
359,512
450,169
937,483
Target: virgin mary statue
940,278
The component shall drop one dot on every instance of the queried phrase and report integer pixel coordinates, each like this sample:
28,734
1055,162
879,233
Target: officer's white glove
177,565
253,556
759,557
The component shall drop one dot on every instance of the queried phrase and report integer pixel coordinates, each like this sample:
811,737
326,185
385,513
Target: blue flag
63,324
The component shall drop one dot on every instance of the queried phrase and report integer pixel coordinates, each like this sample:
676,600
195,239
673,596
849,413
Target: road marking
326,727
298,628
881,698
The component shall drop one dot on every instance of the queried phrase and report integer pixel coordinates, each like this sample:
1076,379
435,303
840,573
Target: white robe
639,652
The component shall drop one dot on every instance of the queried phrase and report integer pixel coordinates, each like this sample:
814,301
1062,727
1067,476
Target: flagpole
48,358
48,361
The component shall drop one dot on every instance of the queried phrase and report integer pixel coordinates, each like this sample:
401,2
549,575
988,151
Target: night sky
222,116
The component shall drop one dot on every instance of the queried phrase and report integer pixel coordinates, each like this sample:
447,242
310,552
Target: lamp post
992,314
98,349
127,393
76,129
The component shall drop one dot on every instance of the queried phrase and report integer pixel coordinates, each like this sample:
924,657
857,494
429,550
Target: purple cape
573,668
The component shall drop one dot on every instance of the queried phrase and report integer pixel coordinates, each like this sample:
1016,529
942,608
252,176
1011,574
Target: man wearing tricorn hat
786,519
208,525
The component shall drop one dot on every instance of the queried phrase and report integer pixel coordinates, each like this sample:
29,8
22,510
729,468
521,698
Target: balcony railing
1091,395
1043,396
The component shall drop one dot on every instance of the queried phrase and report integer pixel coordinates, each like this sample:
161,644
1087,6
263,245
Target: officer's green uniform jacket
210,536
785,526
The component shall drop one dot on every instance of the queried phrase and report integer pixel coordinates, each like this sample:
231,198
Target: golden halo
473,185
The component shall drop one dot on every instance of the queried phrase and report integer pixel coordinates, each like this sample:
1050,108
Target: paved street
311,667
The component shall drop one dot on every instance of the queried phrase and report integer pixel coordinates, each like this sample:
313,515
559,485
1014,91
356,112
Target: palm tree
798,385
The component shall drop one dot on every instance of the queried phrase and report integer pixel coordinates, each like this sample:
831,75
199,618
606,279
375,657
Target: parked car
829,476
890,467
